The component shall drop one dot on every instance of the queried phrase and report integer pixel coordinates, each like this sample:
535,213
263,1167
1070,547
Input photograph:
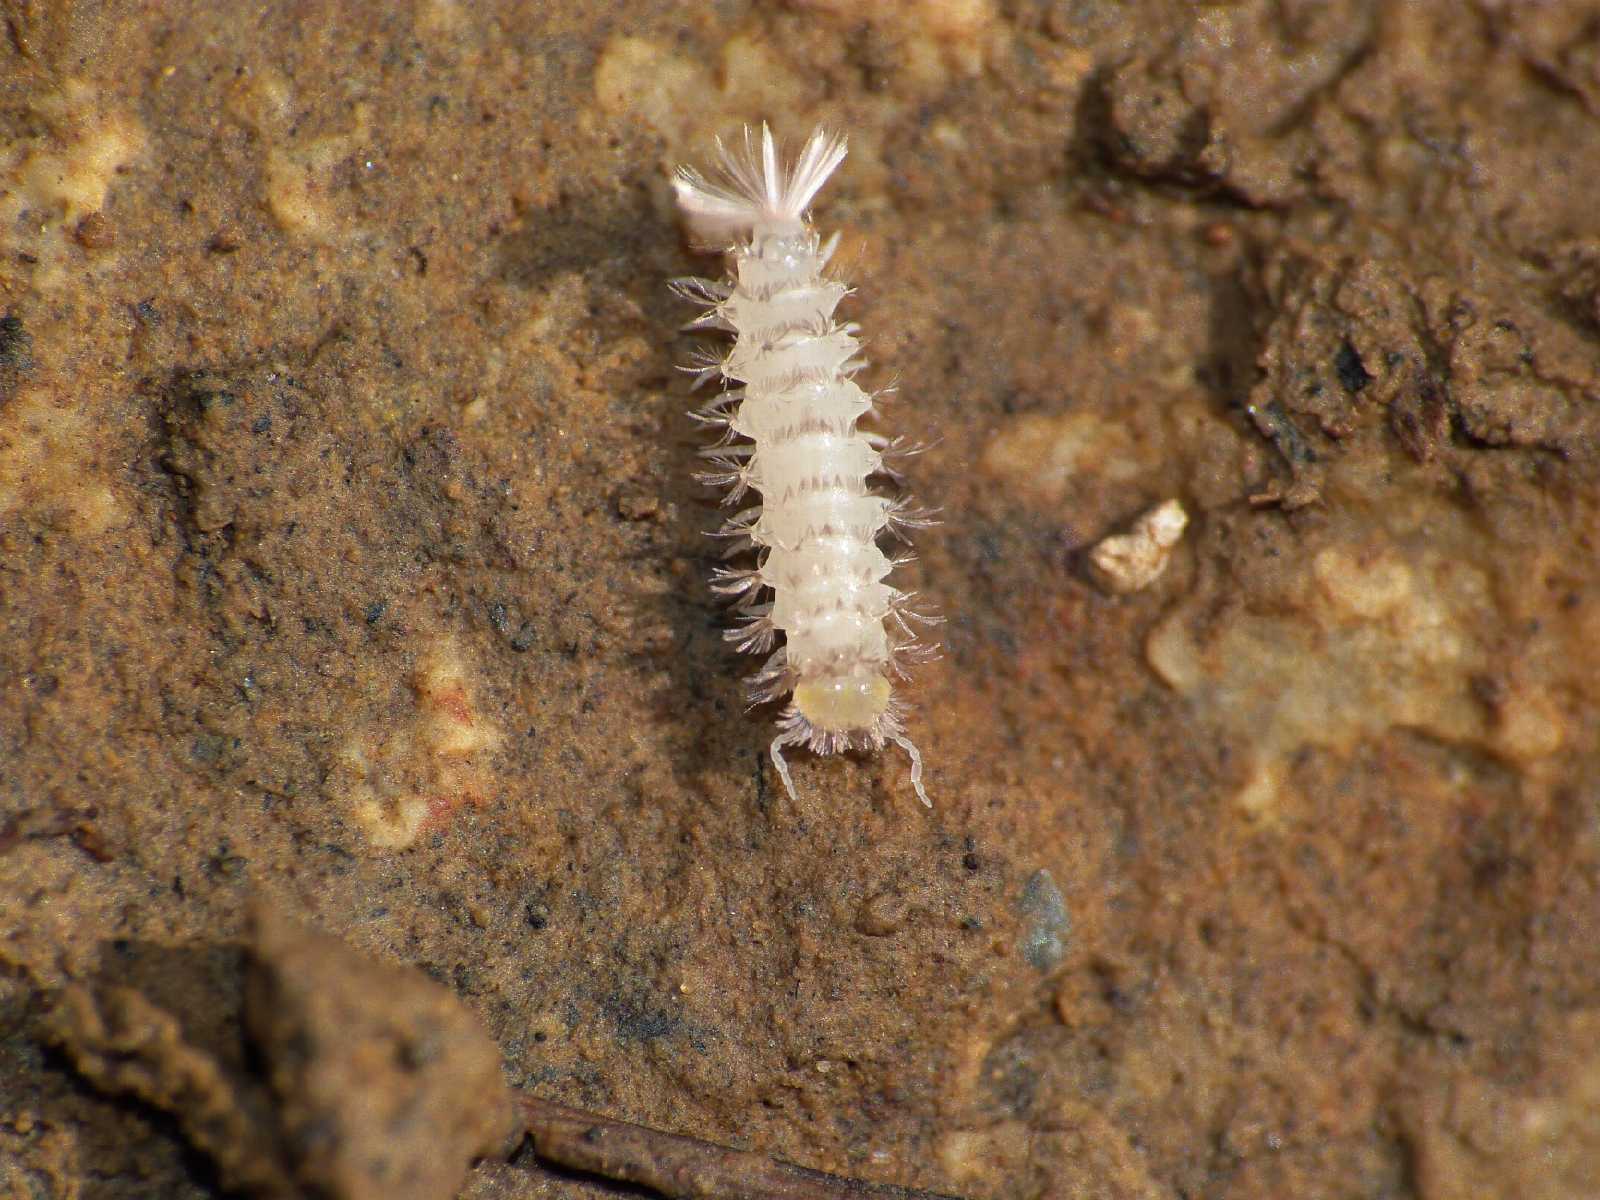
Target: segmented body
791,433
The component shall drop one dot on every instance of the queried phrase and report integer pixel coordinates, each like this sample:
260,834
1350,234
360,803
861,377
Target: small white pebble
1129,561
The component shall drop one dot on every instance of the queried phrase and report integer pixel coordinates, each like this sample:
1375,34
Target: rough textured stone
387,1087
1321,802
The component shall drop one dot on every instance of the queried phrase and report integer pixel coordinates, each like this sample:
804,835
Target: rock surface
378,1084
349,558
387,1087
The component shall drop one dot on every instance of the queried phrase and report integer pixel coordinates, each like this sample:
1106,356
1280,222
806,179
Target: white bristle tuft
750,187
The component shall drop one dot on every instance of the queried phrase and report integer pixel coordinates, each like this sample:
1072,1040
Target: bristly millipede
789,431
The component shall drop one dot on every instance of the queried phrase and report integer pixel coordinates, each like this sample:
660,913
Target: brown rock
94,232
125,1045
387,1087
882,915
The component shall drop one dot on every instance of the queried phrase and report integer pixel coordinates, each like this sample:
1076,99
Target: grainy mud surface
351,569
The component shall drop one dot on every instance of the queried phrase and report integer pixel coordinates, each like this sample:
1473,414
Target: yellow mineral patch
47,464
1382,629
52,180
1257,800
302,190
1130,330
941,38
637,78
263,101
1364,589
1477,1137
646,80
1528,725
751,67
402,779
998,1151
449,723
440,18
390,814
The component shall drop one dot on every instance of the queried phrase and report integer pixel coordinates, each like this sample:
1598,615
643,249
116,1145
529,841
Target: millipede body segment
789,431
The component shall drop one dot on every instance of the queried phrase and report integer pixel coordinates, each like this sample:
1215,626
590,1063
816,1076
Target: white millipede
789,431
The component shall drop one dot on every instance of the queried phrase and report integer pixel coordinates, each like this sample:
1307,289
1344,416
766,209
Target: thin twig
41,824
684,1168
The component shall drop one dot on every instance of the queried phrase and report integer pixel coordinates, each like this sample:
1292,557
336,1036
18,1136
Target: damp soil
352,570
